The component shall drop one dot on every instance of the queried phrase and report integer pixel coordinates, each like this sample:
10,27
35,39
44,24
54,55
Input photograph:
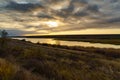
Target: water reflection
43,40
70,43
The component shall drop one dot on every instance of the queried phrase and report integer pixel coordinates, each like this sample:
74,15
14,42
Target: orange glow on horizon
82,32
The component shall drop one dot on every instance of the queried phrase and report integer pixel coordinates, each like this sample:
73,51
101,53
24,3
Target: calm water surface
70,43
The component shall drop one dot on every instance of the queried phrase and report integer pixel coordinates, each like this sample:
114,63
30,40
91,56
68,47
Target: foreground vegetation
21,60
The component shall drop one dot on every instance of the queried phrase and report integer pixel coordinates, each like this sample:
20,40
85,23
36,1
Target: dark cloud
23,6
44,15
87,9
114,1
81,14
113,20
79,1
93,8
15,32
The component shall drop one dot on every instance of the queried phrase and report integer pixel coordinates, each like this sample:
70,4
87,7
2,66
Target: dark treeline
97,36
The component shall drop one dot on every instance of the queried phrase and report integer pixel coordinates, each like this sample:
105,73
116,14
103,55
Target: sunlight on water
70,43
43,40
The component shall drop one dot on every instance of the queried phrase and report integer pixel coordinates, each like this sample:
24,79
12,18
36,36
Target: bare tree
3,40
4,34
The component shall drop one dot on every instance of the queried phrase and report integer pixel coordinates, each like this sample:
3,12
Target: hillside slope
21,60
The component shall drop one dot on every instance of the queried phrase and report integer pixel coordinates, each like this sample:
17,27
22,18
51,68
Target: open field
105,38
21,60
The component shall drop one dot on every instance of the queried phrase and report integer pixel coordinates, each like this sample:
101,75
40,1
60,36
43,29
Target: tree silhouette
4,34
3,40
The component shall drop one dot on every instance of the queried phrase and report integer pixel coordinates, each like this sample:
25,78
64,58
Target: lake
70,43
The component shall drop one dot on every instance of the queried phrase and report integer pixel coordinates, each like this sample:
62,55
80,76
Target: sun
52,24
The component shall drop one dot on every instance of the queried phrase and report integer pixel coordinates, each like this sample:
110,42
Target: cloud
30,16
44,15
15,32
93,8
22,6
112,20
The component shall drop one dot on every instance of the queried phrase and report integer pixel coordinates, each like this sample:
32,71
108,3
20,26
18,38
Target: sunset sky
56,17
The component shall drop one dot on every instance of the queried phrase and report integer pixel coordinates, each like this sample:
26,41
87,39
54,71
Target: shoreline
105,41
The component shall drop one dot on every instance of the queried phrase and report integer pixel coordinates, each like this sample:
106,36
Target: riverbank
23,60
70,43
105,41
96,38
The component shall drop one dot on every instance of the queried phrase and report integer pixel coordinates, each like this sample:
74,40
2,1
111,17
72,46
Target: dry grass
50,62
